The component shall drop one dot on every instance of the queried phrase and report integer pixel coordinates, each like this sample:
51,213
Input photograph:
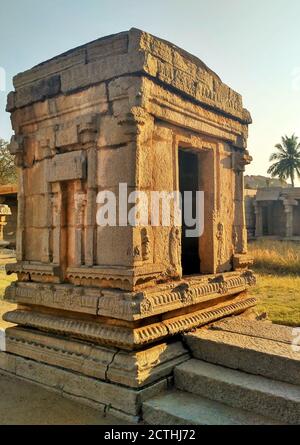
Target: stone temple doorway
189,181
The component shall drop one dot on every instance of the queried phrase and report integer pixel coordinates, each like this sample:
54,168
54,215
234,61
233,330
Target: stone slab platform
257,394
182,408
256,347
22,403
120,401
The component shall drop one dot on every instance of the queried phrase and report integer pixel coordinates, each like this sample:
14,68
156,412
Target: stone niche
110,302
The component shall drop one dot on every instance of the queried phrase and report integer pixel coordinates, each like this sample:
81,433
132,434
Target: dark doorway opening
189,181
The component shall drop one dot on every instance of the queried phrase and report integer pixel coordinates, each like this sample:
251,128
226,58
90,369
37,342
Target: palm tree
287,159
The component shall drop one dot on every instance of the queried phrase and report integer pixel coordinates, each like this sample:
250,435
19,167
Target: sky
253,45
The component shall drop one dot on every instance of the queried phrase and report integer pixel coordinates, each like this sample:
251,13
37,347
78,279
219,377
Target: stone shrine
99,307
4,213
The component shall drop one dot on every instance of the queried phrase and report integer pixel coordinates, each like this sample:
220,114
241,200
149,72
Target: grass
276,257
277,266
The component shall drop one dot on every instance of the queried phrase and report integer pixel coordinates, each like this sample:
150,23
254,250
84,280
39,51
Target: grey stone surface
254,328
22,403
39,91
181,408
255,355
94,392
257,394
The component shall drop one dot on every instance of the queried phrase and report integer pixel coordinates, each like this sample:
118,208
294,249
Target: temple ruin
273,212
8,198
108,304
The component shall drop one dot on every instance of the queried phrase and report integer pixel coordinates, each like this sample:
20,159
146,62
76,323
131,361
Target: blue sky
253,45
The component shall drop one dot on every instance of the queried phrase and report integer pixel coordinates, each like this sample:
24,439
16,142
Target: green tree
287,159
8,171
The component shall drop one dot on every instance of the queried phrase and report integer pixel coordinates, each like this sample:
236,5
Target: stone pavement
23,403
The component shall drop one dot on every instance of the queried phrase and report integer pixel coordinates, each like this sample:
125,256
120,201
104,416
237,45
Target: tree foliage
8,171
287,159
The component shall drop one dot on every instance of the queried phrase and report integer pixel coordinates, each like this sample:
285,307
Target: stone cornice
132,52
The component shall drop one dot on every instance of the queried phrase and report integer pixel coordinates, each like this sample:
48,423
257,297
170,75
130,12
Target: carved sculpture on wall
146,244
175,249
235,239
221,242
240,160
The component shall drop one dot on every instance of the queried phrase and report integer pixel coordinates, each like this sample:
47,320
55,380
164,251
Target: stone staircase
242,372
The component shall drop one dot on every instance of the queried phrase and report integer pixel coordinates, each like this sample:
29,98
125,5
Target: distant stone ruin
273,212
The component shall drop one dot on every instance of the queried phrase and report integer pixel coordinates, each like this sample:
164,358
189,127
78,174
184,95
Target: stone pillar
80,202
240,160
289,220
87,133
258,219
56,202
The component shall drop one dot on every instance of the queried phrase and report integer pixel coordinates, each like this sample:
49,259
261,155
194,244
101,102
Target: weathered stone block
41,90
113,132
11,101
257,394
82,76
76,162
37,211
253,354
52,67
117,166
34,179
114,45
181,408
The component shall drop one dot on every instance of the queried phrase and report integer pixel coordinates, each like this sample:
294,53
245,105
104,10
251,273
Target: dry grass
276,257
277,265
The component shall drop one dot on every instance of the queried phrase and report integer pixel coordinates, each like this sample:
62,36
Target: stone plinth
107,301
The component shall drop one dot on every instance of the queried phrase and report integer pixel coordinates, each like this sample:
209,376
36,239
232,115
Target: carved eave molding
132,306
126,337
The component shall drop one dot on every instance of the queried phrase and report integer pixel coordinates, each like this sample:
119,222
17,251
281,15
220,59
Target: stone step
277,400
255,347
182,408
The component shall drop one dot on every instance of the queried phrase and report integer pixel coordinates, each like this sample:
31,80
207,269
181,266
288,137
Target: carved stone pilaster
20,241
80,203
289,215
258,219
56,202
175,250
91,197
